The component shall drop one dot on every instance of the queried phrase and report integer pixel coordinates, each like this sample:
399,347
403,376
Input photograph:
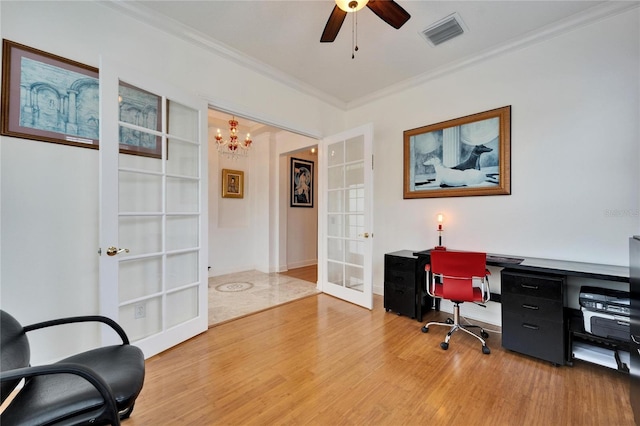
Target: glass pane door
347,217
157,272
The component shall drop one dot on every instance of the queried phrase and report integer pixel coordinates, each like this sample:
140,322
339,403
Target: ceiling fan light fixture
351,5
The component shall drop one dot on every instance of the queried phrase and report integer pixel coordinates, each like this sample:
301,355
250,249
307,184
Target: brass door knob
112,251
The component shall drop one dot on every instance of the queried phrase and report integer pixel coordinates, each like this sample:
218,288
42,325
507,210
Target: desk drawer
535,337
400,298
399,263
535,285
405,278
529,307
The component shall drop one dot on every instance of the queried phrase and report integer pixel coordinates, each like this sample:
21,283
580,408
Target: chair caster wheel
387,309
486,350
484,334
444,346
425,329
449,321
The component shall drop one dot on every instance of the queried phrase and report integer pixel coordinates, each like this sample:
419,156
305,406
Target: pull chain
356,48
354,34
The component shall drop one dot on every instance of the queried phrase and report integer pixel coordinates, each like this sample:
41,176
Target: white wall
231,228
49,197
296,231
575,149
302,223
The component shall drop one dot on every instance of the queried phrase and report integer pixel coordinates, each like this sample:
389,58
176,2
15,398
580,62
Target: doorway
343,180
260,230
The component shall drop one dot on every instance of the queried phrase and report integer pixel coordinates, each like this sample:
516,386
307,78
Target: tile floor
233,296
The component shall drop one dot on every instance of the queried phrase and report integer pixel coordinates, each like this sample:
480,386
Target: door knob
112,251
365,235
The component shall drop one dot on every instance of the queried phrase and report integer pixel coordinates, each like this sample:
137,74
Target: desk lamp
440,220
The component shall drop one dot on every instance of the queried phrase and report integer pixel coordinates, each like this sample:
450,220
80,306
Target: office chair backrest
14,348
457,269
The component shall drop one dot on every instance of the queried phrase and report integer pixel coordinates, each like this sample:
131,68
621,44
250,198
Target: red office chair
452,276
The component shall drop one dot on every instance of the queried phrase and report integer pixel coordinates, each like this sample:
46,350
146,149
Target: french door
153,232
346,216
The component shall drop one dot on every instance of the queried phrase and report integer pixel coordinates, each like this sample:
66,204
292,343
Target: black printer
606,312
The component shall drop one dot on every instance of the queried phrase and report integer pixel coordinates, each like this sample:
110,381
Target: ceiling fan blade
333,25
390,12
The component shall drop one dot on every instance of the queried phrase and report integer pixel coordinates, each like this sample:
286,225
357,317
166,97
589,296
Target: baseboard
302,264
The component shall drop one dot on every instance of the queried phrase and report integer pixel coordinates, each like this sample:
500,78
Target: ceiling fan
387,10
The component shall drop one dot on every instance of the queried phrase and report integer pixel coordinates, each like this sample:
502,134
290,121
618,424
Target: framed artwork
301,183
465,156
140,114
232,183
48,98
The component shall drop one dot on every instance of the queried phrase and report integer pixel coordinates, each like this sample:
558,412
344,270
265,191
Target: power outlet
140,310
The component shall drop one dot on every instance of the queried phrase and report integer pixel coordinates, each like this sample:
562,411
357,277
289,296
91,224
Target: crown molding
175,28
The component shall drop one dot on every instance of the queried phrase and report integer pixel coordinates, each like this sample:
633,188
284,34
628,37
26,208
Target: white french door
346,216
153,229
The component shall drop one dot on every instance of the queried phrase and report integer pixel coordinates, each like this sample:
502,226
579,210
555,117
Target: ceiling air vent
445,29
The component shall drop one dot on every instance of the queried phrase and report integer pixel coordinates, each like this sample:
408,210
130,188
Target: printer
606,312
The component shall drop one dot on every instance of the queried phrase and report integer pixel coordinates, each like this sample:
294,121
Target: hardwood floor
322,361
307,273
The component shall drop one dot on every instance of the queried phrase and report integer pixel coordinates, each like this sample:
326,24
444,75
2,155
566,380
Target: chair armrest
88,318
109,411
486,289
430,281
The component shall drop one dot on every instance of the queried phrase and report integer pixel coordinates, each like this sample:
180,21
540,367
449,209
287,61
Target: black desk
535,320
552,266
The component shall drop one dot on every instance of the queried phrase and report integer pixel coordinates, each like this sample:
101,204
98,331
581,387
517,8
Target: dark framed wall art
301,183
48,98
465,156
140,114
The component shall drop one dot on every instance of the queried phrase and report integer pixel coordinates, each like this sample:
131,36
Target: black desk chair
95,387
451,275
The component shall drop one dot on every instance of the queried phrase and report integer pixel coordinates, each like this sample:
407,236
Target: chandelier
232,147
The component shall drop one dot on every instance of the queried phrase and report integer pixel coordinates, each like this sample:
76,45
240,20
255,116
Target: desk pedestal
533,315
403,279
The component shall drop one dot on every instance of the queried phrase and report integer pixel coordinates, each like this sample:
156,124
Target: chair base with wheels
451,275
456,325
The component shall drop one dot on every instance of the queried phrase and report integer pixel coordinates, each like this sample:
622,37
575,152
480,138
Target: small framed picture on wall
232,183
301,183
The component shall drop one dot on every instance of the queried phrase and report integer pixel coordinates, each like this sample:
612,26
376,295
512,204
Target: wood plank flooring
322,361
306,273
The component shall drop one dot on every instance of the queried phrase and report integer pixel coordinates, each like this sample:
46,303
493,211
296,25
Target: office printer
606,312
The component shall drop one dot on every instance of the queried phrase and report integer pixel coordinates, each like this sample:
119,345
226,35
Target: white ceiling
282,38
